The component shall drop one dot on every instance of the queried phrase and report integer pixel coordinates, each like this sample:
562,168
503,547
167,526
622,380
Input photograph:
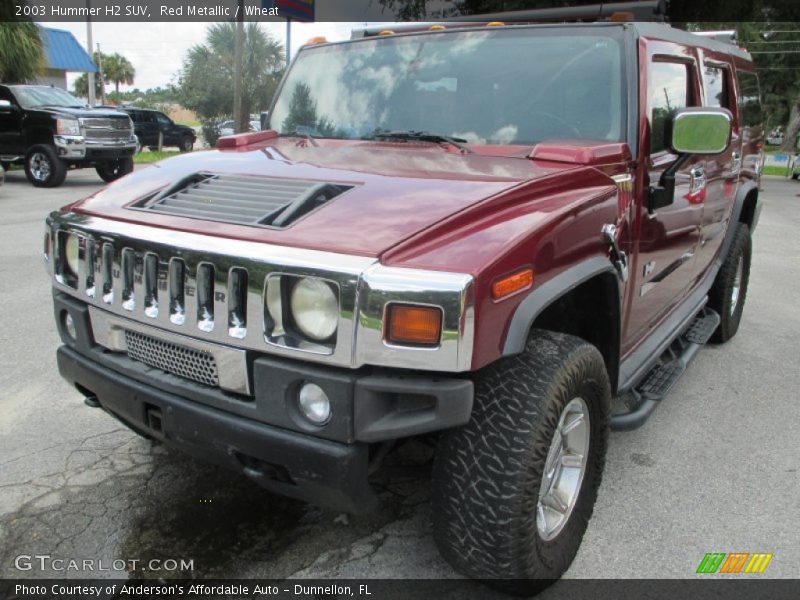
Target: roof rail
641,10
728,37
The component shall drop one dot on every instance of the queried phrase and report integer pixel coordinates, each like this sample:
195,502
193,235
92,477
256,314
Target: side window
669,92
716,87
134,115
147,117
749,99
162,119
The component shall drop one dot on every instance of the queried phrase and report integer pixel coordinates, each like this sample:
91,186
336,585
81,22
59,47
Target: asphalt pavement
713,470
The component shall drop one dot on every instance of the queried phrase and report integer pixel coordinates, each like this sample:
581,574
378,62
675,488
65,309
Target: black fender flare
745,189
544,295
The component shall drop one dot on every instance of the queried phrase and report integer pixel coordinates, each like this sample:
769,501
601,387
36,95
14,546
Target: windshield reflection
514,86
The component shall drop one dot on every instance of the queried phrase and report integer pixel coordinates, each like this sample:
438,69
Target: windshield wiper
421,136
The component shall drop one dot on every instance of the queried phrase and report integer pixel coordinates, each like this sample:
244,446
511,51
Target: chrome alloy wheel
737,285
39,166
564,469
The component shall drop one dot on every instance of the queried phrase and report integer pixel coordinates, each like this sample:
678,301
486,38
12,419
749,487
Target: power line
774,42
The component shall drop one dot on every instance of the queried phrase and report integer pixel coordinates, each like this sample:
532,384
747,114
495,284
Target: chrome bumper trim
70,146
109,332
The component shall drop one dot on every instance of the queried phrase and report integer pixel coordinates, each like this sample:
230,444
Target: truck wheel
114,169
729,291
513,490
186,144
43,167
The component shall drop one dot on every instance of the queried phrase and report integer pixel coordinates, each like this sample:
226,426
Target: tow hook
617,256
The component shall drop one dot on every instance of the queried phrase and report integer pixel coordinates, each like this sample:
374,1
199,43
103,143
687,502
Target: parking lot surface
713,470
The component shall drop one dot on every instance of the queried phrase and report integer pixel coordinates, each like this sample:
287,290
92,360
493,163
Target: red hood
399,190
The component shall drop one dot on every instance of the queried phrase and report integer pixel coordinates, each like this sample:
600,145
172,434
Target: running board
659,380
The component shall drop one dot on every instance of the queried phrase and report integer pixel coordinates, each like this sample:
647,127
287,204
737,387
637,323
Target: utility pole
100,75
89,45
238,118
288,42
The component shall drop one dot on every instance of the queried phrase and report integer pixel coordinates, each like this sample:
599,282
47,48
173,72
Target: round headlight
315,308
71,251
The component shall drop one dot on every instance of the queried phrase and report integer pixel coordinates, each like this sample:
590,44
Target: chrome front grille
209,289
196,365
107,129
211,294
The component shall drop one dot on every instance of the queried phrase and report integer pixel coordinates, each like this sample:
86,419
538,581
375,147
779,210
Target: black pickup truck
50,131
149,124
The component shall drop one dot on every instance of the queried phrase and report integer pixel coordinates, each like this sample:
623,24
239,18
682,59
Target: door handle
736,160
617,256
697,185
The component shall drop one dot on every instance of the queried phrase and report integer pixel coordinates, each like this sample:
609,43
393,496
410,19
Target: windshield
33,97
513,86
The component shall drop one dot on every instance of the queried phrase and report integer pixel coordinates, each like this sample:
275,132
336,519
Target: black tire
487,474
721,297
43,167
114,169
795,176
186,144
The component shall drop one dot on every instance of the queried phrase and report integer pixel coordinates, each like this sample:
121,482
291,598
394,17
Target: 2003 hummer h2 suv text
487,232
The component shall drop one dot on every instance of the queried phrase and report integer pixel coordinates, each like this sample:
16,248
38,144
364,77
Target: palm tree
206,83
118,69
81,86
21,52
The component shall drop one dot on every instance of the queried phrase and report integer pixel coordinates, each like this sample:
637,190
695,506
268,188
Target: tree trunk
792,128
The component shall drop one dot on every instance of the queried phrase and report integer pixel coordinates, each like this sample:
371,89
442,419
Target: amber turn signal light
418,325
513,283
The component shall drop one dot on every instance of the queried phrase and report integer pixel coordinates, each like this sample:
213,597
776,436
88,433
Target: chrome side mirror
701,131
692,131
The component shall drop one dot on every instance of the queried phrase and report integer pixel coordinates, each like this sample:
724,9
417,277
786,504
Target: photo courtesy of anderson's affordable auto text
377,299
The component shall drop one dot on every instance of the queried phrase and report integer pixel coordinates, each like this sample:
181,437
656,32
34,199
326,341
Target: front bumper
299,466
263,435
79,148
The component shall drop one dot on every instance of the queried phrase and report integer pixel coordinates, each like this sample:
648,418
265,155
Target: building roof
64,53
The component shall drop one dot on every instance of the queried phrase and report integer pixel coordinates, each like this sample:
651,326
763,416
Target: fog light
69,325
314,404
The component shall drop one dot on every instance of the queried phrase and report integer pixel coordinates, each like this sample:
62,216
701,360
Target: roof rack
728,37
642,10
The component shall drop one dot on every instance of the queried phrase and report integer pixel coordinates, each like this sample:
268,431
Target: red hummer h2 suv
477,231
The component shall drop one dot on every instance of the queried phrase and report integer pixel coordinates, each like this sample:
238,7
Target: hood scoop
242,199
